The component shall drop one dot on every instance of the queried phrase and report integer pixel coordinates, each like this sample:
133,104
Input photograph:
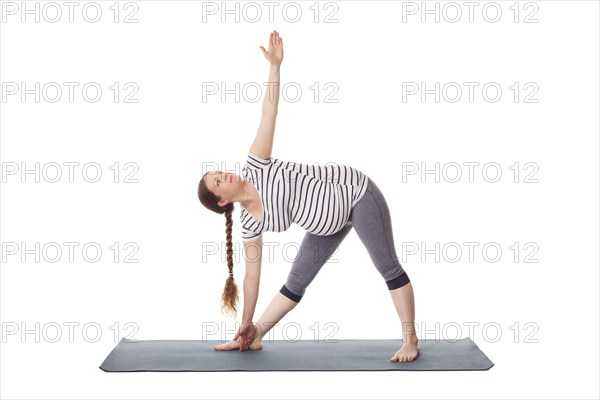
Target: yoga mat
132,355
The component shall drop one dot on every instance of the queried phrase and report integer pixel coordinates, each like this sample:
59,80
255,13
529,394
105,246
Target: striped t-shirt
317,198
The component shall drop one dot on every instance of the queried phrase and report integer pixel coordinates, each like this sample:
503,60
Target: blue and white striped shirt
317,198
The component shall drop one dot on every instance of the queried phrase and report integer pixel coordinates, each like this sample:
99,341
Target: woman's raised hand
275,53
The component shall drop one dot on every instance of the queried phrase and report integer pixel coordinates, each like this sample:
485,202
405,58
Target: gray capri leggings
370,217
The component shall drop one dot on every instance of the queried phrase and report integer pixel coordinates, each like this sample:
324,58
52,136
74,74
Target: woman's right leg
314,252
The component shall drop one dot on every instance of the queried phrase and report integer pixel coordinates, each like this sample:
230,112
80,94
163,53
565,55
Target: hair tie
231,273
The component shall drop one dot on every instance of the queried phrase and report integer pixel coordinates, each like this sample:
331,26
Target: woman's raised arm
263,142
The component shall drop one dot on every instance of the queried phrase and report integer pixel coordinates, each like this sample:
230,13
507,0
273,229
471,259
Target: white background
547,310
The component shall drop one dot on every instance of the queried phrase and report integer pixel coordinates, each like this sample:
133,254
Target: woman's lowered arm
263,142
253,255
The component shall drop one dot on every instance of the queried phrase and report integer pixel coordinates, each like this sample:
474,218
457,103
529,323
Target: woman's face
223,184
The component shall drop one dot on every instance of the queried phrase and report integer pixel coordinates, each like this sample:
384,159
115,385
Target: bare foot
235,344
408,352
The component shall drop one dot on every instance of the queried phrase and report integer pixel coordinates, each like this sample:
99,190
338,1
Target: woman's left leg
372,222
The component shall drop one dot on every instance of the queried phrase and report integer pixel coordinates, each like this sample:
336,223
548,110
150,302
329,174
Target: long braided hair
230,295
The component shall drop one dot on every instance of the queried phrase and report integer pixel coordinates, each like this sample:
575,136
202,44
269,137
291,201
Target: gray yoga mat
285,355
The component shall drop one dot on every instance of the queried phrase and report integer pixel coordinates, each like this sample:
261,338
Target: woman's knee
291,295
398,281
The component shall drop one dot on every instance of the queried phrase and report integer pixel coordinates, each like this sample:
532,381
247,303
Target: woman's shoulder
256,162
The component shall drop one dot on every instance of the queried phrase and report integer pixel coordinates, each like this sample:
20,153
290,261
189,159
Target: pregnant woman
325,201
